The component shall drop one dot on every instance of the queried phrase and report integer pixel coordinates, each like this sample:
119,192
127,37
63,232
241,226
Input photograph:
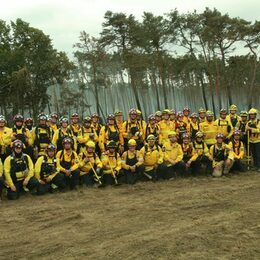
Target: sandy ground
194,218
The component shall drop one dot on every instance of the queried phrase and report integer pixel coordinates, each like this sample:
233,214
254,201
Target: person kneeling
90,165
68,163
132,162
47,173
221,156
19,172
111,164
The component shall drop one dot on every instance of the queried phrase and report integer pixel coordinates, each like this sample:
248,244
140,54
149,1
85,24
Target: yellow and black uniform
68,164
53,128
97,127
41,136
85,135
5,141
1,177
166,126
48,173
253,129
132,130
132,165
173,156
153,160
237,147
181,128
112,164
153,130
75,128
224,127
233,119
193,128
19,170
209,129
60,134
219,155
88,162
110,133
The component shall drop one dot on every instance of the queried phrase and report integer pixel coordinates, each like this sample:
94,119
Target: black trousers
255,151
178,169
72,181
196,165
128,177
1,185
58,180
13,195
238,166
108,179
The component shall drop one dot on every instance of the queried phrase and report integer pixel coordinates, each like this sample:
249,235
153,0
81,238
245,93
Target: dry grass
195,218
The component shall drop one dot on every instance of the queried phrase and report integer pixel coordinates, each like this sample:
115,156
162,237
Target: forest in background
206,59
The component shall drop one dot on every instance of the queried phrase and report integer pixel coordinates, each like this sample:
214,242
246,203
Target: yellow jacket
1,168
70,159
60,133
209,130
201,149
23,131
186,120
152,156
189,153
234,118
39,132
85,167
5,138
126,130
165,127
75,128
84,135
104,136
152,130
254,136
238,149
224,127
131,155
111,161
20,176
38,167
173,152
224,151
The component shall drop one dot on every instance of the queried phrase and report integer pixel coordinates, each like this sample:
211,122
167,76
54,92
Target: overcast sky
64,19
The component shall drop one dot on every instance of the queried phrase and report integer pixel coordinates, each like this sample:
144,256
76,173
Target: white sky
64,19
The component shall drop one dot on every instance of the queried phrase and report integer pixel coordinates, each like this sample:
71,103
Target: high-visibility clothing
93,161
209,129
172,151
128,155
224,127
5,138
238,149
85,135
111,163
165,127
67,160
254,134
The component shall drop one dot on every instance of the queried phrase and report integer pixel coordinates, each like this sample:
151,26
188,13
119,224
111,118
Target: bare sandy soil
194,218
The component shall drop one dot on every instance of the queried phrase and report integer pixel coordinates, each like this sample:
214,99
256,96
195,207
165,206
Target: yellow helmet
252,111
151,137
138,112
90,144
118,113
233,107
243,113
131,142
202,110
166,111
158,113
199,134
209,113
172,133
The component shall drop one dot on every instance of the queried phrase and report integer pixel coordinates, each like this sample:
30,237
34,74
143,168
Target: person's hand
86,160
48,179
25,182
188,164
42,182
67,172
13,188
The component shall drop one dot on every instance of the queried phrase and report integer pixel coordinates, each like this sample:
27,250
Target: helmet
158,113
90,144
252,111
131,142
42,116
139,112
151,117
199,134
18,118
202,110
171,133
172,112
28,120
51,147
220,135
194,115
223,111
132,111
237,132
180,114
166,111
87,119
55,115
233,107
185,136
74,115
186,109
118,113
111,117
17,144
94,115
151,137
209,113
67,140
64,120
243,113
2,118
112,144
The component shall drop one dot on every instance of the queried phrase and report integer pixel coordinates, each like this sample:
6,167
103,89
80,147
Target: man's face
199,139
94,119
119,118
132,148
202,115
223,115
180,118
237,137
133,117
2,123
87,124
50,153
18,149
19,123
64,124
74,120
112,150
152,122
186,112
67,146
158,118
53,120
233,112
166,116
111,121
173,138
42,122
219,140
151,143
194,119
186,140
209,118
172,116
252,116
244,118
90,149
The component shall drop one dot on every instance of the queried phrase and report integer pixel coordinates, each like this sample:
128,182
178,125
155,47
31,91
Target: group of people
57,154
